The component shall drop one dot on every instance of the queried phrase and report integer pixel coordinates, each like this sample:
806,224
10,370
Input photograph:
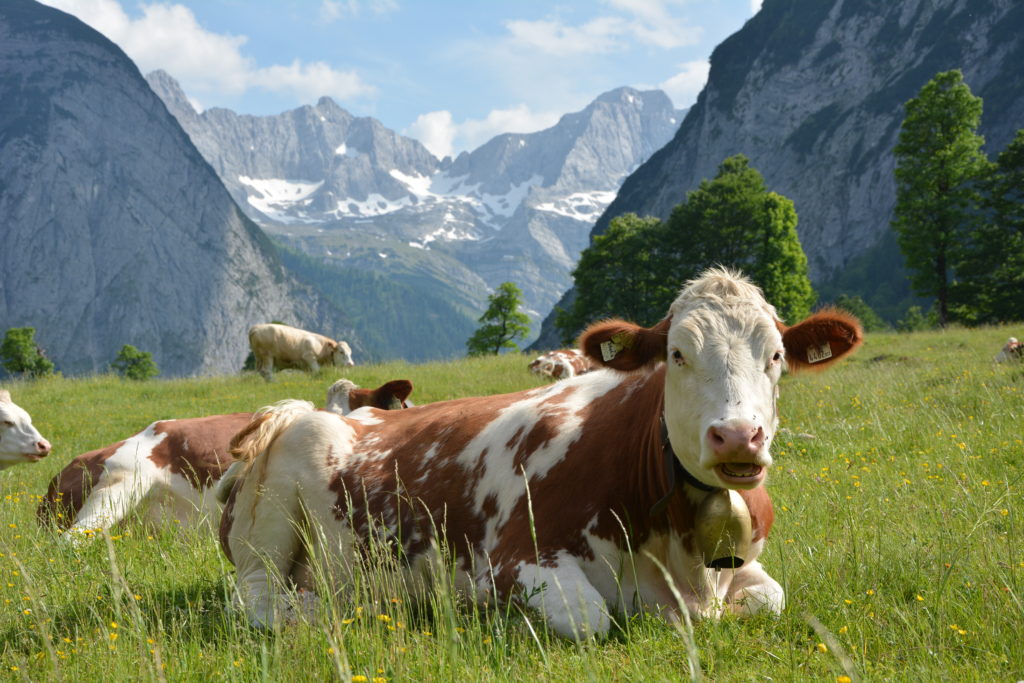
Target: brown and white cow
169,468
570,497
20,441
282,346
562,364
1012,350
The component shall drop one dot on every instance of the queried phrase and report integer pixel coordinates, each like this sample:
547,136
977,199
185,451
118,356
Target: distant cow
583,497
282,347
562,364
168,468
20,442
1012,350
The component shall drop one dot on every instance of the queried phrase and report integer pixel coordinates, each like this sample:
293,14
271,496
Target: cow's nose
43,447
735,441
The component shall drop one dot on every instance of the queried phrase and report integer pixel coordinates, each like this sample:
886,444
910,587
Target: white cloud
641,22
436,131
168,37
443,137
684,87
755,6
333,10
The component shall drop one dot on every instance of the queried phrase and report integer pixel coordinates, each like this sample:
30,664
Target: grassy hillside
898,540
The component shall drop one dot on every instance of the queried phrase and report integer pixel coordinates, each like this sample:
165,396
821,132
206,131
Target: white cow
637,488
283,346
19,441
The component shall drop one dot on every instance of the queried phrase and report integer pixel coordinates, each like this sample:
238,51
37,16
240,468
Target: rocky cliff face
116,231
518,208
812,91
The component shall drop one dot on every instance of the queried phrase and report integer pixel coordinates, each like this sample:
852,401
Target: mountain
812,92
116,230
350,191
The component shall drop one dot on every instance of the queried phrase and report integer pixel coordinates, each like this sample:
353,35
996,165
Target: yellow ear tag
609,349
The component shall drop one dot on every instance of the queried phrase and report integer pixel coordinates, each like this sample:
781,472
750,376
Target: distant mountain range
360,196
115,229
812,91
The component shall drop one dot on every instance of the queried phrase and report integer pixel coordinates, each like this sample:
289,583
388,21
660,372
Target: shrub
21,355
134,364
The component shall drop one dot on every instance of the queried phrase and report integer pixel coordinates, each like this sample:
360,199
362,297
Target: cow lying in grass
20,442
562,364
167,470
1012,350
573,498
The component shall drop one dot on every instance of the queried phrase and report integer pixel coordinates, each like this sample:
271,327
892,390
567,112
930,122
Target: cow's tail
266,425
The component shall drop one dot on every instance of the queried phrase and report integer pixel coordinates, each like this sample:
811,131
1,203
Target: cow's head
342,354
344,396
724,349
19,440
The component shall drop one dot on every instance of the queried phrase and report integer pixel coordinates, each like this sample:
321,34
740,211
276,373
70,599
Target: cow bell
723,530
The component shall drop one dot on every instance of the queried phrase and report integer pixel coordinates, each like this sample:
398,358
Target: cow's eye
7,423
677,357
777,357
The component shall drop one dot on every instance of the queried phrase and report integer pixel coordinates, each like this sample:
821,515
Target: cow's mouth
32,457
745,474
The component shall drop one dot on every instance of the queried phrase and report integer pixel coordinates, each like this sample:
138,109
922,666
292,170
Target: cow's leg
311,363
571,605
265,366
753,591
116,495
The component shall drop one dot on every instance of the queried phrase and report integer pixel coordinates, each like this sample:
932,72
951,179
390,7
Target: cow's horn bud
723,530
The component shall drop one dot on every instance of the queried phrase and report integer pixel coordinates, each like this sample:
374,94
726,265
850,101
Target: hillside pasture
898,539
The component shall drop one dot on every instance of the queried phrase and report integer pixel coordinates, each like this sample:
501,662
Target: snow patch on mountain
281,199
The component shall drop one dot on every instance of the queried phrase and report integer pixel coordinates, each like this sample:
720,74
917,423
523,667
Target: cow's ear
625,346
821,339
5,396
392,393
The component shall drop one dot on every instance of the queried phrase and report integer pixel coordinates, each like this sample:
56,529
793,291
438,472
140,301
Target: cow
281,346
20,441
562,364
169,468
1012,350
582,498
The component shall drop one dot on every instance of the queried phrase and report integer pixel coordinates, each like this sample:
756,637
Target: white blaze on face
343,355
724,359
19,440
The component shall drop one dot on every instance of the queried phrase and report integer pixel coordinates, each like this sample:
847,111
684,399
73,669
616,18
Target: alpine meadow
898,540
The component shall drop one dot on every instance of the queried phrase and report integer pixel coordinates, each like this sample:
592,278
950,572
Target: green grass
897,538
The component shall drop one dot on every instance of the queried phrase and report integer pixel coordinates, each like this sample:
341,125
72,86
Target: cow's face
19,440
342,355
724,349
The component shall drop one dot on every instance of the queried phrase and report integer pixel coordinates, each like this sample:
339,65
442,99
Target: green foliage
132,363
22,356
622,274
917,321
939,164
635,270
733,220
869,320
990,274
503,322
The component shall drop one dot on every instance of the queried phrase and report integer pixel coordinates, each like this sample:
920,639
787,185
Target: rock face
518,208
116,231
812,91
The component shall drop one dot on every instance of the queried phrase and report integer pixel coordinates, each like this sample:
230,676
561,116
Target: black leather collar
674,472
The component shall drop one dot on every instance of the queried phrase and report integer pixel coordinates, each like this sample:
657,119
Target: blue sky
450,73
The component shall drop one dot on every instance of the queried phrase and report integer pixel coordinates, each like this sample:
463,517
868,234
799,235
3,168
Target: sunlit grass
898,540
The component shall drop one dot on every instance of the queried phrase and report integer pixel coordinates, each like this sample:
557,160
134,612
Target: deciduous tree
503,322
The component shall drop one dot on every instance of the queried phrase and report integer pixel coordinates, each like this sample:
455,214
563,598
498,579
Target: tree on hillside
733,220
636,269
135,364
619,275
21,355
990,275
939,163
503,322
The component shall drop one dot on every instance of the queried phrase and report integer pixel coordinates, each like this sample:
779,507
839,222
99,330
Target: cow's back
285,344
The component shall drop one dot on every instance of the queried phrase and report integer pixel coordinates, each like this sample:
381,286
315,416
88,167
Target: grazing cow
274,345
1012,350
583,497
19,440
169,467
562,364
